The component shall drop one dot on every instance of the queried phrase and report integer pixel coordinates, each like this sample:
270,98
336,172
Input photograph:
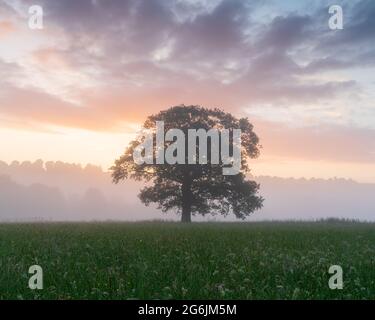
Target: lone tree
194,188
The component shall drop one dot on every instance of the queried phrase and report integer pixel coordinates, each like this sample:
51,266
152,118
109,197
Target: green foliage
197,189
196,261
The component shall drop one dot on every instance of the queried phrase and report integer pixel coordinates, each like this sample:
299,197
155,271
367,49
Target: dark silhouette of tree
195,188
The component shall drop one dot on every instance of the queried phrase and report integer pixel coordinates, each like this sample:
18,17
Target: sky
79,89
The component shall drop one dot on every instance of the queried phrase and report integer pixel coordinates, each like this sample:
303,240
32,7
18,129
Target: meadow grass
165,260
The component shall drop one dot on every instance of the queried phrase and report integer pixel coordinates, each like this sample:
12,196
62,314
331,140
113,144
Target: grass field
156,260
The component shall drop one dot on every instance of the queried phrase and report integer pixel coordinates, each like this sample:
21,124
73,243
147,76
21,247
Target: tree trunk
186,215
186,199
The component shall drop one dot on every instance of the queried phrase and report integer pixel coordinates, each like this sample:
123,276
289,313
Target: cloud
106,63
6,28
359,26
317,143
284,33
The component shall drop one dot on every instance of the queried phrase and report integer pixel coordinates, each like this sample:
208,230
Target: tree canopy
191,189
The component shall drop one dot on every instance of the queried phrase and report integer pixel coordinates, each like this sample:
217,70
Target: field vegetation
165,260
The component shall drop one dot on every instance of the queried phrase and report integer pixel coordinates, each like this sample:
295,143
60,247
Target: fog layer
60,191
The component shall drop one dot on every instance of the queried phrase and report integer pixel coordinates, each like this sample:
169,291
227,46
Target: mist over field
59,191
